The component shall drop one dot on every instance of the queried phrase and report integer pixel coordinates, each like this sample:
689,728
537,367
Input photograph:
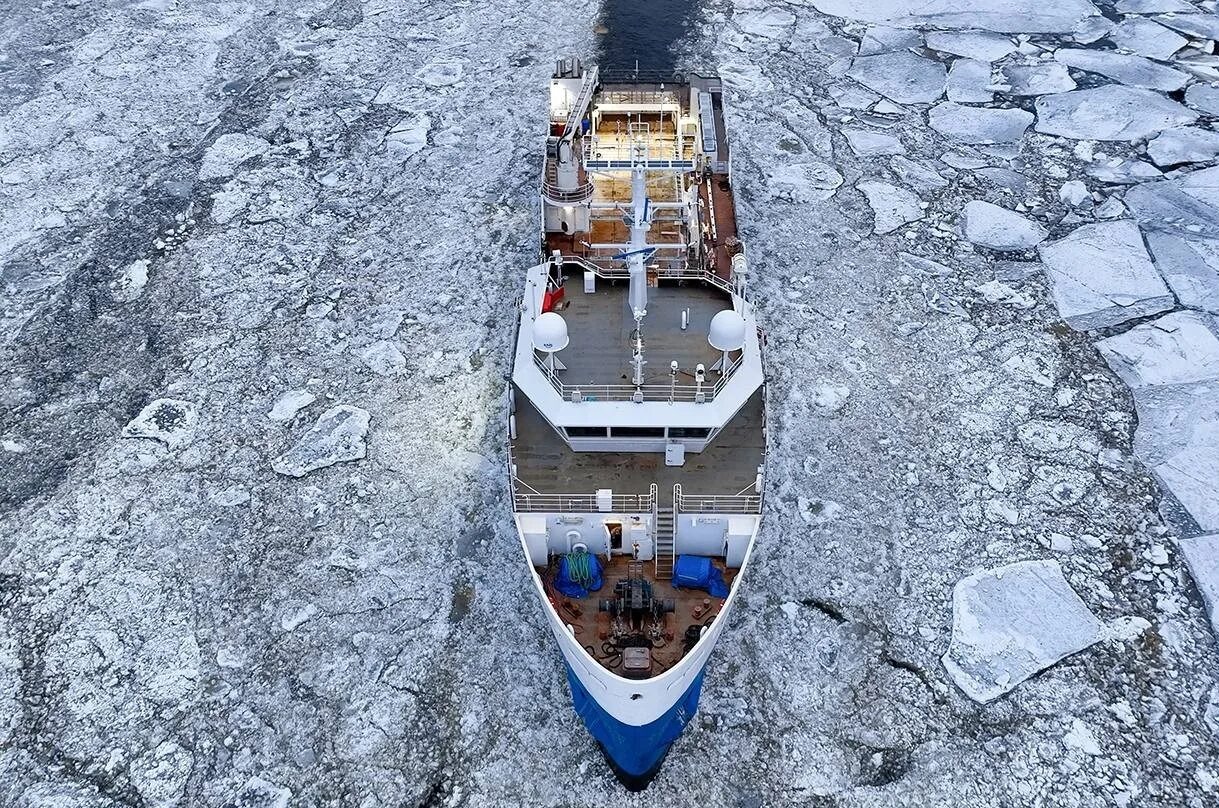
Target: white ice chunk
1111,112
1147,38
1074,193
1202,556
1177,348
979,124
1192,472
919,176
130,283
884,39
1189,204
383,358
1011,622
803,182
1037,79
228,152
969,82
1126,68
766,23
1191,267
1184,145
1100,275
168,420
409,135
1204,97
900,76
866,143
1201,26
1155,7
1007,16
892,206
998,228
981,46
289,404
337,436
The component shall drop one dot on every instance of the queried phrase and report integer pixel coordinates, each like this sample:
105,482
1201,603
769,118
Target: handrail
579,503
686,393
617,271
715,503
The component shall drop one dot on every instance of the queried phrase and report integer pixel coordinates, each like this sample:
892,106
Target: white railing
671,393
678,269
716,503
526,502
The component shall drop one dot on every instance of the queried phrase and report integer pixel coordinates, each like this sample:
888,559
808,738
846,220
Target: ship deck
602,330
547,465
592,626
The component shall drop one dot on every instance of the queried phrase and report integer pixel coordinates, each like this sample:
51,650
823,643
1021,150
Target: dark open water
638,30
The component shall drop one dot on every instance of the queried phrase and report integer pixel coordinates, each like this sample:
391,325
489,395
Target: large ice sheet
1127,68
1202,555
1190,266
998,228
1100,275
1177,348
1112,112
337,437
979,125
1186,144
1011,622
1007,16
900,76
1188,204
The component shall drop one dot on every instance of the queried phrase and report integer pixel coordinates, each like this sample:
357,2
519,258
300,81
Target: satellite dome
550,332
727,332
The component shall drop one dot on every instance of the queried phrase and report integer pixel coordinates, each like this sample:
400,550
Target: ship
636,407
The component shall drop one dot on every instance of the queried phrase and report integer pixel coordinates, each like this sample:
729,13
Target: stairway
664,544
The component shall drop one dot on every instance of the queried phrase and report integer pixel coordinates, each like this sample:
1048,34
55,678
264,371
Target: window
689,432
586,431
637,432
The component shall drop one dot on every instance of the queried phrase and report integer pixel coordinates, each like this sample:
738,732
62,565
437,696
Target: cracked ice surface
1011,622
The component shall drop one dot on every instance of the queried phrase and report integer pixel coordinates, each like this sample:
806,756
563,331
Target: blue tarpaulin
579,574
697,572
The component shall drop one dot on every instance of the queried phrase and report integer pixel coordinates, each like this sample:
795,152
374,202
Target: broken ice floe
1037,79
982,46
289,404
803,182
337,436
1111,112
1006,16
866,143
1147,38
1188,205
1000,229
1127,68
130,283
900,76
1011,622
1204,97
969,82
1184,145
167,420
228,152
383,358
1202,555
1100,275
919,176
1177,348
979,125
1190,266
891,206
1172,366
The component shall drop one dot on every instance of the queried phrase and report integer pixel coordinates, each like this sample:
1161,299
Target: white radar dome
727,332
550,332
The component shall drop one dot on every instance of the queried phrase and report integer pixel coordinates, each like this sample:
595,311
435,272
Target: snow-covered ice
969,81
1183,145
1111,112
892,206
1202,555
1126,68
1027,16
982,46
1147,38
1188,204
1037,78
1177,348
868,142
900,76
338,436
1101,275
980,125
997,228
168,420
1011,622
1190,266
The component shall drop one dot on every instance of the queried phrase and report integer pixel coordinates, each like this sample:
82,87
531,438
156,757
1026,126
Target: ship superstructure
636,426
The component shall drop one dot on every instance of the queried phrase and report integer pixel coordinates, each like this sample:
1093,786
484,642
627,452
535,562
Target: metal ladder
664,543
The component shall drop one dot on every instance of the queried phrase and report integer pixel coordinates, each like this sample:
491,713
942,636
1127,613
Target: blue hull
635,753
